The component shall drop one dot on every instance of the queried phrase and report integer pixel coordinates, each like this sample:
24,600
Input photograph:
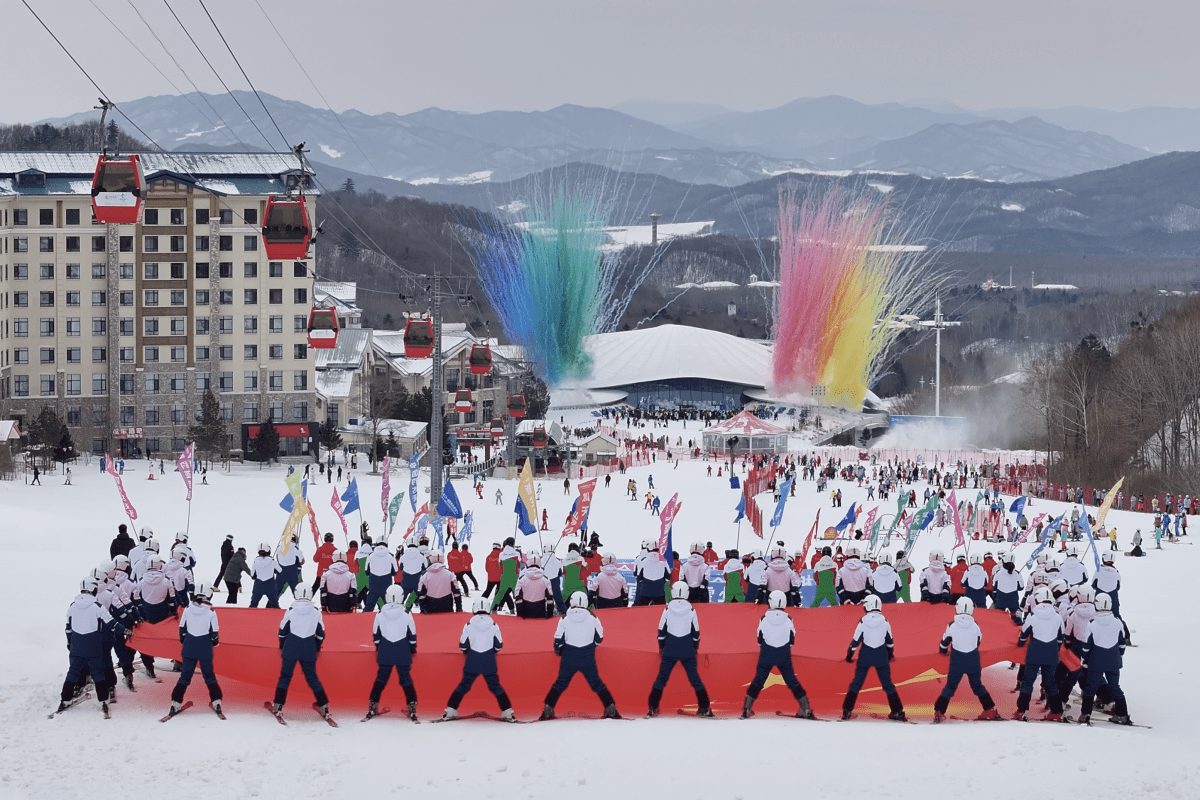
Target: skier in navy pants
86,620
578,634
961,641
198,633
678,640
776,635
1044,626
1102,655
480,641
874,633
301,633
395,636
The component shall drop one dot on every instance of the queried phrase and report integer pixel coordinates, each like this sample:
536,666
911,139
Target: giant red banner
628,659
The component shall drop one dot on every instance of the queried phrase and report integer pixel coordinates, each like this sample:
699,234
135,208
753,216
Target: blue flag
1047,535
847,520
287,503
464,536
670,554
783,496
1018,505
438,524
350,498
448,504
523,522
741,509
1087,528
414,467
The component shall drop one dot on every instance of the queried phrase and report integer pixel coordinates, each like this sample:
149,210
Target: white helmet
1103,604
607,558
779,552
1086,594
884,558
181,537
437,558
853,552
647,544
88,585
1059,587
203,590
121,562
1053,562
936,555
179,554
531,560
423,550
798,555
548,549
480,605
975,558
394,594
697,547
872,603
757,555
1042,594
106,567
1039,577
1107,557
579,600
965,605
777,599
679,590
98,575
1073,549
154,561
146,533
152,546
264,547
303,592
338,555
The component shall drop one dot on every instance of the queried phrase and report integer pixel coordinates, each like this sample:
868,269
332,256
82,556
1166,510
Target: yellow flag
297,492
1108,501
525,491
293,525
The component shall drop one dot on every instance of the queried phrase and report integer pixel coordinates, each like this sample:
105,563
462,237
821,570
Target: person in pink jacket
608,586
437,591
694,572
534,595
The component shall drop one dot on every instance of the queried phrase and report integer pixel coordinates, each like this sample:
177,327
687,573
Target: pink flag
1025,533
667,518
869,520
387,486
452,527
575,521
959,541
111,468
187,465
336,502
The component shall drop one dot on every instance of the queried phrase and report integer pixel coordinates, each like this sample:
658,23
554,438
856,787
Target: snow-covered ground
50,536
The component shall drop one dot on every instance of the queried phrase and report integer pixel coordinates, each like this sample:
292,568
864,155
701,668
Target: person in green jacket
826,574
905,570
360,573
509,567
733,577
573,580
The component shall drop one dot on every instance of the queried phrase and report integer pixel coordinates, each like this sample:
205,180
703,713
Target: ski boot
372,710
547,713
653,711
704,711
1053,716
1121,719
1085,719
1020,716
938,718
412,710
747,707
898,716
450,713
610,711
989,714
806,711
508,715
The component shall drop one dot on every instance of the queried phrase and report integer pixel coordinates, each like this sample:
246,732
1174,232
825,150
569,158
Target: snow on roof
199,164
719,285
566,397
334,383
339,290
1056,286
352,343
745,424
621,358
403,428
601,436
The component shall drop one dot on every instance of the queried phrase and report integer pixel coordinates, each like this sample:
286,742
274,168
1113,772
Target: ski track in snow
250,755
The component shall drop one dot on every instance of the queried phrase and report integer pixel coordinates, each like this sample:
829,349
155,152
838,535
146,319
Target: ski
684,713
484,715
886,718
217,711
578,715
74,701
1131,724
378,713
325,716
972,719
173,713
797,716
104,710
278,715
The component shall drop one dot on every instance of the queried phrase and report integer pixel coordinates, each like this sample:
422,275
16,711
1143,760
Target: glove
850,657
943,651
891,656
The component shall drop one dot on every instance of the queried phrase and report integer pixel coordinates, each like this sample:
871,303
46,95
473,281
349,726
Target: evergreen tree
392,445
66,447
45,433
348,186
330,438
266,443
210,435
537,398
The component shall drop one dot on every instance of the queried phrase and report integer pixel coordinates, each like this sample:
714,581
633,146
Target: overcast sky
393,55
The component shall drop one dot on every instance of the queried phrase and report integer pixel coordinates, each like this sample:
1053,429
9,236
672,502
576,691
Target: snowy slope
50,536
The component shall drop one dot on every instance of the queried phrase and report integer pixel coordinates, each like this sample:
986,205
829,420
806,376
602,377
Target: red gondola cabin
286,231
322,328
497,426
539,437
418,338
516,406
117,189
462,401
480,359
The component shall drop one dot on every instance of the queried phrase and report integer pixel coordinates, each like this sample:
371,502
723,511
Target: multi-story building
122,328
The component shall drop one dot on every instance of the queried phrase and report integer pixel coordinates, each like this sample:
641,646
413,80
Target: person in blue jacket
199,634
480,641
678,641
301,633
395,636
1102,654
86,621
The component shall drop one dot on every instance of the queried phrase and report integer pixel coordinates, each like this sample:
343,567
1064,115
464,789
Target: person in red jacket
956,575
323,559
710,555
491,566
467,561
591,564
989,564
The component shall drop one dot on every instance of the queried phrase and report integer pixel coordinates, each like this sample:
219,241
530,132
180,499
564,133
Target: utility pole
436,463
937,364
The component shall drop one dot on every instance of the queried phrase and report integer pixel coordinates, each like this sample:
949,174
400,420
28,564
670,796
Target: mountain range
687,142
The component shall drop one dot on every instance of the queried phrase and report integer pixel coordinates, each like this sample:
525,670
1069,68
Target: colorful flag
393,511
295,485
784,490
414,467
848,520
1108,501
291,527
186,466
452,528
468,519
1087,529
525,490
523,523
448,504
1047,535
312,523
412,526
110,467
741,508
666,519
898,520
387,486
1018,506
336,503
869,521
581,508
959,540
811,533
350,498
